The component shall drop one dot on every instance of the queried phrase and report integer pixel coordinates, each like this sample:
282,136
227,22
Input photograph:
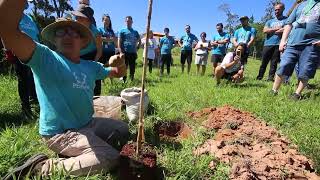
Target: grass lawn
171,97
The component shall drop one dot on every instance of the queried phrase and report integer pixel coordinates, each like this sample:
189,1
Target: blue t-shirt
64,90
273,39
221,48
107,33
187,41
28,26
130,38
243,35
306,23
91,47
166,44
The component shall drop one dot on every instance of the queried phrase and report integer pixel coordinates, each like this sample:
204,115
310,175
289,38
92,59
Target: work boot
26,168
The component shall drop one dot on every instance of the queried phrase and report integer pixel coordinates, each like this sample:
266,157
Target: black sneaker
273,92
26,168
296,97
259,78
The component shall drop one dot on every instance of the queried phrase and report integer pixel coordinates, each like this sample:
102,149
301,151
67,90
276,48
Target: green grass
171,97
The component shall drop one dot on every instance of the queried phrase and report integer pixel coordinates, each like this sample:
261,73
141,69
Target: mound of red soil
252,148
172,130
142,167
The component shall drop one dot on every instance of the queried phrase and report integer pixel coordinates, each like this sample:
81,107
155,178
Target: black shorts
186,55
228,76
217,58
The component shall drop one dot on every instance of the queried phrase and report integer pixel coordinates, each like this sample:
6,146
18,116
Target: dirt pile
252,148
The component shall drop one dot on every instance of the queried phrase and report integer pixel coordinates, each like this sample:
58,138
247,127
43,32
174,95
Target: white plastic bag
107,107
131,98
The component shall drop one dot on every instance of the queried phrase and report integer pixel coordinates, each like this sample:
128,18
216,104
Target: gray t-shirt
306,23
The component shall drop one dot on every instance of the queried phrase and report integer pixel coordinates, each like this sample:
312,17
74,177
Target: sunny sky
202,15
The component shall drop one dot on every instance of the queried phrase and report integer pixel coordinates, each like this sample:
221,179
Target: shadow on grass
12,120
249,85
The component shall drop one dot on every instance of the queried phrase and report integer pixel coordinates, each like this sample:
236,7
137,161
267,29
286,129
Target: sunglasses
64,31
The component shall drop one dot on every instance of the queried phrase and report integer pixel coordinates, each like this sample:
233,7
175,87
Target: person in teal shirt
129,41
187,43
273,30
300,45
64,83
246,34
109,39
166,44
219,43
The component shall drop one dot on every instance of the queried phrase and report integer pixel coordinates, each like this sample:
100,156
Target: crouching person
232,66
64,85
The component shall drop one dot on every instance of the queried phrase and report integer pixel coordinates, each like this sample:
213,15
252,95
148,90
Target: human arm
229,61
317,43
284,39
12,37
120,47
252,38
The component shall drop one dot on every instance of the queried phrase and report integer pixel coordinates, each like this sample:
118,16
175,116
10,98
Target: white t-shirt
153,45
203,50
228,59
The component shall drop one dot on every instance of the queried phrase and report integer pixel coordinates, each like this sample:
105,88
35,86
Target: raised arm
12,37
120,47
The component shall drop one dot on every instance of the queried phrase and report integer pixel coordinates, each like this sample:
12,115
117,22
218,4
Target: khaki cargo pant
88,149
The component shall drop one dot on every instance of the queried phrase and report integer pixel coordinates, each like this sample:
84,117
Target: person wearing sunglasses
64,84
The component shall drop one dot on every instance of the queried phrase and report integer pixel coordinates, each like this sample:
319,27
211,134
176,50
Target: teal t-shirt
187,41
130,38
305,23
108,33
273,39
166,44
243,35
64,90
91,47
28,26
221,48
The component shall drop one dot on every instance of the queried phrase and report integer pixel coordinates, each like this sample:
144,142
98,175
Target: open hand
317,43
117,60
282,46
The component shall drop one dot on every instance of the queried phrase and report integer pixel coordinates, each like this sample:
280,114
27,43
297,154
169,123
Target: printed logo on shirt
312,17
81,82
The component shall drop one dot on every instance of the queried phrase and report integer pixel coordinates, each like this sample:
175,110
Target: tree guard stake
141,137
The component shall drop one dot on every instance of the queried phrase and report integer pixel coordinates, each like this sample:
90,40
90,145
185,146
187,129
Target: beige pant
88,149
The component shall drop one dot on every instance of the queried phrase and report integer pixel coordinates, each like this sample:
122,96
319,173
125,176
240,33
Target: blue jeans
306,57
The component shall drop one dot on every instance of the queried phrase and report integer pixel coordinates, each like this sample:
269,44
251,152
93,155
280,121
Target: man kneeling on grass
64,85
232,66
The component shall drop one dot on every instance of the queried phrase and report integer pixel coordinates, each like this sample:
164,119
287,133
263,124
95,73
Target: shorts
217,58
201,59
229,76
186,55
307,57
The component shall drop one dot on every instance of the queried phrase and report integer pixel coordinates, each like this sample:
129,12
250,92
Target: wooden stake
140,137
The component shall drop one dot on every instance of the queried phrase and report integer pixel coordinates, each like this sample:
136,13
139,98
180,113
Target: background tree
232,18
46,11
